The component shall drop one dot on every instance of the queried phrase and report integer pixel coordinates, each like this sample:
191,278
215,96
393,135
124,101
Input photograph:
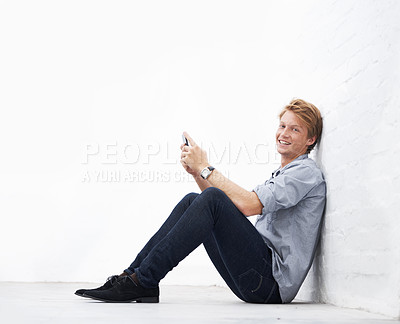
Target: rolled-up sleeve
286,189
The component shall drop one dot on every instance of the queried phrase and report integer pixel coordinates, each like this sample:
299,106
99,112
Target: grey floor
56,303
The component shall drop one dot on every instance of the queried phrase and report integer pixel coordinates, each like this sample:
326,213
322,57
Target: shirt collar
279,170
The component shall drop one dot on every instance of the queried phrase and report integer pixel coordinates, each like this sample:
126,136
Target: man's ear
311,140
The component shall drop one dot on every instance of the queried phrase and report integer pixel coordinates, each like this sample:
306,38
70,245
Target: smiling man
265,263
292,137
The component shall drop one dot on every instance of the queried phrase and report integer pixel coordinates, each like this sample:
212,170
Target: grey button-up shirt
293,200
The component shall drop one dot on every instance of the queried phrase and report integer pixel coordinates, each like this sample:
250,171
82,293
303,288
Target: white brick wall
358,264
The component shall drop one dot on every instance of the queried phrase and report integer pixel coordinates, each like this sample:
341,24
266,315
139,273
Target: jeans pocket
256,288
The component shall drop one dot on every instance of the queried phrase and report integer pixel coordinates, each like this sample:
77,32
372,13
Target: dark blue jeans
231,241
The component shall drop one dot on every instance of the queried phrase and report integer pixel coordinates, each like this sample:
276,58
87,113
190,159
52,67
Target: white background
101,87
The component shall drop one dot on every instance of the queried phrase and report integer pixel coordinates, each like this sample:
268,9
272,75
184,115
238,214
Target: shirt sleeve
286,189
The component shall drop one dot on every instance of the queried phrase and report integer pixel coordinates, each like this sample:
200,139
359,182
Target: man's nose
284,132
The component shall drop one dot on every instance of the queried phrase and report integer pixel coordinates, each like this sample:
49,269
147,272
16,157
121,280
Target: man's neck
286,160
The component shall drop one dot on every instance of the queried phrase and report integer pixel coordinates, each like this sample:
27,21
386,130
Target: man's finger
191,141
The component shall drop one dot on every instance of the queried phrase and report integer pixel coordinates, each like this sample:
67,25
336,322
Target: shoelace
112,279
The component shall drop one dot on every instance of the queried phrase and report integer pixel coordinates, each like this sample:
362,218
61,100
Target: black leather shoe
125,290
109,283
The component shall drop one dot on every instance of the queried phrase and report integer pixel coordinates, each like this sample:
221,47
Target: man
265,263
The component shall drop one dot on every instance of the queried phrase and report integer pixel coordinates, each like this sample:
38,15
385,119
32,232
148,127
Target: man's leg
173,218
192,229
238,250
243,260
212,212
213,252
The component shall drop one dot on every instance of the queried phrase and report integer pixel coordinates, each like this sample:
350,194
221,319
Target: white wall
357,46
104,77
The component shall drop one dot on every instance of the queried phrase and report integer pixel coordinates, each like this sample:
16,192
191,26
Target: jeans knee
190,196
212,191
213,195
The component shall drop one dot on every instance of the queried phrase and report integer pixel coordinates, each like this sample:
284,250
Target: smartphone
185,141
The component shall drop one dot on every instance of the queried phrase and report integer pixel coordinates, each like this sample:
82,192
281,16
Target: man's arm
193,158
203,184
246,201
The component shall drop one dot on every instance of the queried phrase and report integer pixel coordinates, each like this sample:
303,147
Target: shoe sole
138,300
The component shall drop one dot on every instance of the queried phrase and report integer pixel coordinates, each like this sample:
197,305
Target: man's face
292,137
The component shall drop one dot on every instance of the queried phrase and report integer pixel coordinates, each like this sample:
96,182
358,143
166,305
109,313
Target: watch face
205,173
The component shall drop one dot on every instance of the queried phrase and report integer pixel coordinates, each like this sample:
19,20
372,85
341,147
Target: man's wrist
206,172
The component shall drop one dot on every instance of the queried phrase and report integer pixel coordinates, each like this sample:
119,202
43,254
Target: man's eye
295,129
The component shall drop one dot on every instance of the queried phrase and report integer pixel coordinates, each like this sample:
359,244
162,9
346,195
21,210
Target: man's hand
185,166
193,157
194,160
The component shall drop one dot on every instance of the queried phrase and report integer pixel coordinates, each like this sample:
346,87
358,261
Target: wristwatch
205,173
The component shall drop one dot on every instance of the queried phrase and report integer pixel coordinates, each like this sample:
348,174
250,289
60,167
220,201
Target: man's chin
281,150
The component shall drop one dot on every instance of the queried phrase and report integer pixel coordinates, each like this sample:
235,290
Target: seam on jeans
259,285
